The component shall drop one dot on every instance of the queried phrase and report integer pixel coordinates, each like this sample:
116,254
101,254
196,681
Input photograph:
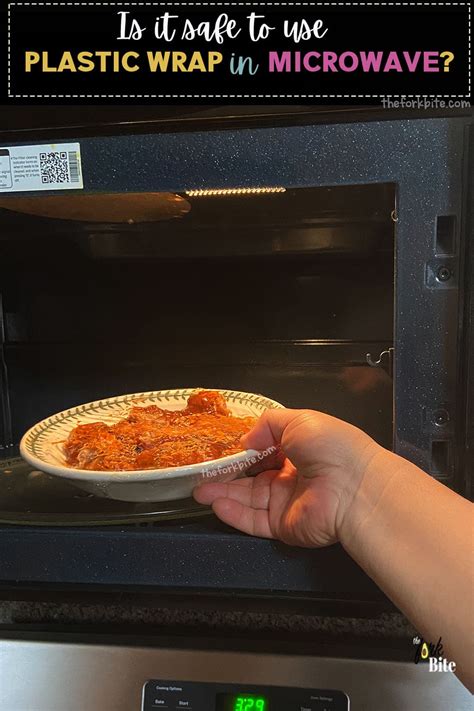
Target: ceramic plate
41,446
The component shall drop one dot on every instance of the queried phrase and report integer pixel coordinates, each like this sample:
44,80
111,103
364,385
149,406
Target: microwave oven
324,261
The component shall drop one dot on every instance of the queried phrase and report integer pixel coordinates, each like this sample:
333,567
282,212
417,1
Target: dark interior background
280,294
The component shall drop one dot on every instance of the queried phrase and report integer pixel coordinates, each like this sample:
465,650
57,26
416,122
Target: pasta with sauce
154,438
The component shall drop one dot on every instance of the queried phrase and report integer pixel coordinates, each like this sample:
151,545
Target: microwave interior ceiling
105,207
332,219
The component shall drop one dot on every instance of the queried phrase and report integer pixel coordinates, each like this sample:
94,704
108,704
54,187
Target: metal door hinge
385,361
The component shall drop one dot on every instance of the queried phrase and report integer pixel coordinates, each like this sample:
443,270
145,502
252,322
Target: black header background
77,28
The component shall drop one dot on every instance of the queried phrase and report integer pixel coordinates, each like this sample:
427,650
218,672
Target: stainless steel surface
40,676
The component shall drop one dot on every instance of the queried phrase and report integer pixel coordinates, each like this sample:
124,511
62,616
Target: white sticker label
53,166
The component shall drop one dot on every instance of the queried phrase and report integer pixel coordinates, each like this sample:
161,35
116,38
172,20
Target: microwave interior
288,293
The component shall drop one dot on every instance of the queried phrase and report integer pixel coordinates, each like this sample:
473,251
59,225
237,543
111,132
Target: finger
269,429
250,492
248,520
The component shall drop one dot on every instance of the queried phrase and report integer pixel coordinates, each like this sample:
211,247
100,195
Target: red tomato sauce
153,438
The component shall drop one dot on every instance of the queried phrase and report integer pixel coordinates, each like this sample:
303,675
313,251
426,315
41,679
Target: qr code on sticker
54,167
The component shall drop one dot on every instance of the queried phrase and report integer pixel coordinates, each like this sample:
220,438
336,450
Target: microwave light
233,191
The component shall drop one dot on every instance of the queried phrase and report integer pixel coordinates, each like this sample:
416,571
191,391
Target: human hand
305,503
338,484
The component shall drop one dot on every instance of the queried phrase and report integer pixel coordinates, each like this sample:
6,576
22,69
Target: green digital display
250,703
242,702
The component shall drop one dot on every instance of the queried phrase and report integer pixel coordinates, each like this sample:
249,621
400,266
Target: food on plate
153,438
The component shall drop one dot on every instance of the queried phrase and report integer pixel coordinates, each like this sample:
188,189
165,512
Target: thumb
269,428
276,427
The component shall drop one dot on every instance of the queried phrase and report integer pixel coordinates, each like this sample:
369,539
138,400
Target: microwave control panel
197,696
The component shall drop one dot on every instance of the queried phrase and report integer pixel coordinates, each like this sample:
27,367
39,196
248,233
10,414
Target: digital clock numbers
250,703
241,702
